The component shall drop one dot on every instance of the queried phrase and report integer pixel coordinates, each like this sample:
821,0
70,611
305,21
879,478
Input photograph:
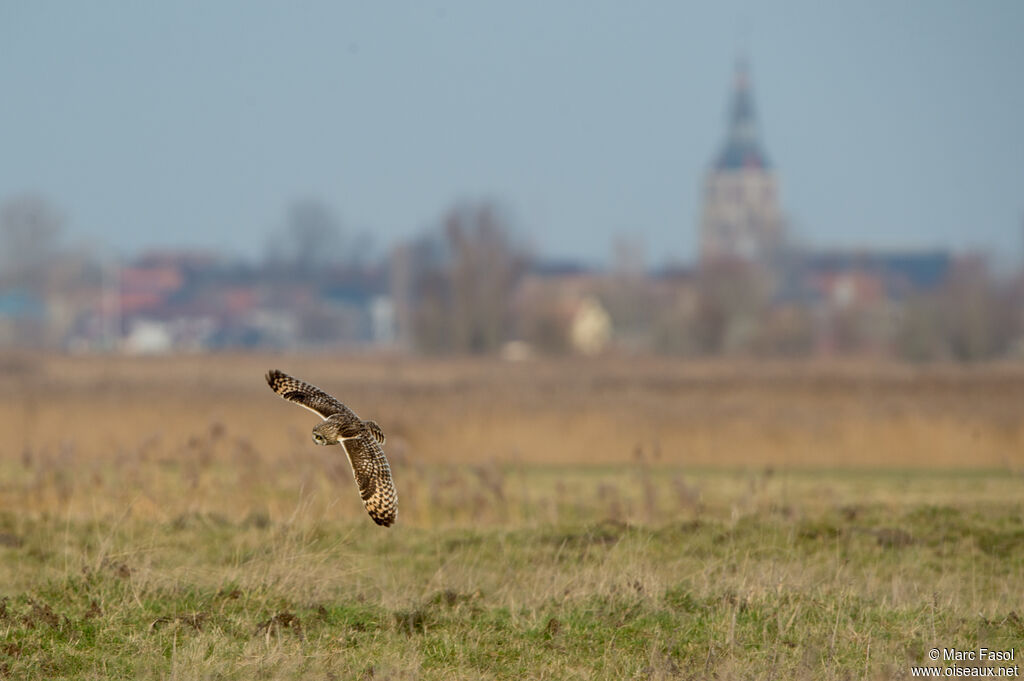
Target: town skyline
197,127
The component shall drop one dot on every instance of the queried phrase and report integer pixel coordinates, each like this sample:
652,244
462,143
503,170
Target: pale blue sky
196,123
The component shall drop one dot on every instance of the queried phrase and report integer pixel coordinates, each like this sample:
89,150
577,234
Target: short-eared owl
361,440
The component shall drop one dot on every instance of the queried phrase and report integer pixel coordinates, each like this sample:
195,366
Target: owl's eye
318,438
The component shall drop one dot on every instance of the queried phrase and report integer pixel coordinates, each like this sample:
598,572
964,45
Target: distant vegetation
471,285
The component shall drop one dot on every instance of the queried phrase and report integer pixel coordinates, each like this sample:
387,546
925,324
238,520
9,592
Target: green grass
782,575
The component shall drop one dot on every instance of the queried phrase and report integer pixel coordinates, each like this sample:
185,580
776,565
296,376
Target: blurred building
865,277
741,217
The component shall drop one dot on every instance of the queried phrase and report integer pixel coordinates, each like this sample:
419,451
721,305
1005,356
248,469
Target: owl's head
326,433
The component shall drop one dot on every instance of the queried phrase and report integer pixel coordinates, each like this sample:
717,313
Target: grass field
171,518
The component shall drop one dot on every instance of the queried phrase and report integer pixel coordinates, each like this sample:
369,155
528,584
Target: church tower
741,218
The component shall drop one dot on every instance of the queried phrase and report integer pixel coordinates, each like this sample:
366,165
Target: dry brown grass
563,412
159,437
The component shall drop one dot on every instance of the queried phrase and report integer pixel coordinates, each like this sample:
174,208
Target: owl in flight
362,441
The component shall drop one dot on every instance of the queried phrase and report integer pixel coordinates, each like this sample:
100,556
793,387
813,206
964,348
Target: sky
196,124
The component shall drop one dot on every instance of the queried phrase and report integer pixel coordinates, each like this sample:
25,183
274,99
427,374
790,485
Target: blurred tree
731,298
546,327
485,267
463,280
432,329
628,296
975,325
672,330
314,234
542,317
786,331
919,334
35,264
313,238
966,319
30,230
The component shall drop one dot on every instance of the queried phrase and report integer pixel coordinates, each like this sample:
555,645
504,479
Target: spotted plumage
361,440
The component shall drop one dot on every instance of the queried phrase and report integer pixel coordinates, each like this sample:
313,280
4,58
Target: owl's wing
376,431
373,476
303,394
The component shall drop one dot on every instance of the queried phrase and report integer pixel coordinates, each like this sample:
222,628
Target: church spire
742,148
742,219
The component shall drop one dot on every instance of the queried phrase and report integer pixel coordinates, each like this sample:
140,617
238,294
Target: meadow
170,518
